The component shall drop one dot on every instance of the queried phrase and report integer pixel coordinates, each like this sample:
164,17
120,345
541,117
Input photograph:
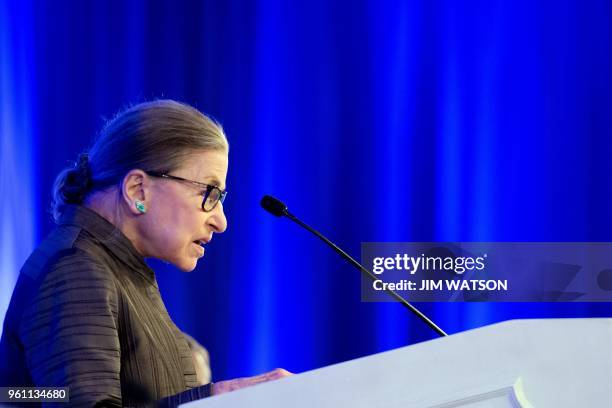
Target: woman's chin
188,260
188,266
185,264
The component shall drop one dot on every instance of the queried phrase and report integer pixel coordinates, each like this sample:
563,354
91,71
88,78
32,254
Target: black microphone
276,207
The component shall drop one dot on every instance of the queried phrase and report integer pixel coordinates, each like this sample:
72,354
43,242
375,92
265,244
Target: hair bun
78,181
82,165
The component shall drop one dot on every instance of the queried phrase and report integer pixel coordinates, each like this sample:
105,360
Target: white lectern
521,363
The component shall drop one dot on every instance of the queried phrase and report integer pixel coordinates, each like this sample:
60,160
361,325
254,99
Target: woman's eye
214,195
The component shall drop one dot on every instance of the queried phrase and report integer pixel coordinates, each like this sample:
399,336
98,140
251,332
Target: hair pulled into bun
73,183
152,136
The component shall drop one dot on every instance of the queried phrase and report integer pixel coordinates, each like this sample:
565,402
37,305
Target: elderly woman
86,312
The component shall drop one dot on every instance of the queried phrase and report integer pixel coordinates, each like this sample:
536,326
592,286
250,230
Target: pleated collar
109,236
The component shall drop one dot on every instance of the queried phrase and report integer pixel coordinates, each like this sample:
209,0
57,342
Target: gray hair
154,136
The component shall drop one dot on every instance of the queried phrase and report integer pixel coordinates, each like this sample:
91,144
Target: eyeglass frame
208,187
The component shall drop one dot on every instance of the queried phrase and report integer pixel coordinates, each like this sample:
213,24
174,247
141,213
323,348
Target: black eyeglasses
212,194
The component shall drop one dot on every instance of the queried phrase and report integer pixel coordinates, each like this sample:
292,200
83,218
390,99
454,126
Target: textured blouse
87,314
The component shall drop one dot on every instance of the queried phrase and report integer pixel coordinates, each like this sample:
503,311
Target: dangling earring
140,206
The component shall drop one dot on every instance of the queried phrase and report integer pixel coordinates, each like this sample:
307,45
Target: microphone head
274,206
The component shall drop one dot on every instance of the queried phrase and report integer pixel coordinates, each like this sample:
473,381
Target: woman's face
175,227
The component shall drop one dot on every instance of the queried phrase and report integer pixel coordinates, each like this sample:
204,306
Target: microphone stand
276,207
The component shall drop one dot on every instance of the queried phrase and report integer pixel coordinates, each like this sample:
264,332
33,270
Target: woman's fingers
238,383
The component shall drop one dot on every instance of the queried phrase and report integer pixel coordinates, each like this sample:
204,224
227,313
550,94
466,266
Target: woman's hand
238,383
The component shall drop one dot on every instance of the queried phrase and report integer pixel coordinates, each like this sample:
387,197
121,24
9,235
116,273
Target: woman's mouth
199,247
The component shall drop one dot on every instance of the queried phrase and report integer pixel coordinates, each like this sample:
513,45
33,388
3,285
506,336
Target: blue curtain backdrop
375,121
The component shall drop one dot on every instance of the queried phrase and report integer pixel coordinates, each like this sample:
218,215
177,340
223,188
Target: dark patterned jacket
87,314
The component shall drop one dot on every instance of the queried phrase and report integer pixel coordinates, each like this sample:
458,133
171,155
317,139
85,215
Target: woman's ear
135,191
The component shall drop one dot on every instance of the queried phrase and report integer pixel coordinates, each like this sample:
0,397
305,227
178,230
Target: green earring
140,206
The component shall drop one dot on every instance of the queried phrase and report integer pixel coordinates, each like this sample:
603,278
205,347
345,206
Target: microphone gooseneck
276,207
